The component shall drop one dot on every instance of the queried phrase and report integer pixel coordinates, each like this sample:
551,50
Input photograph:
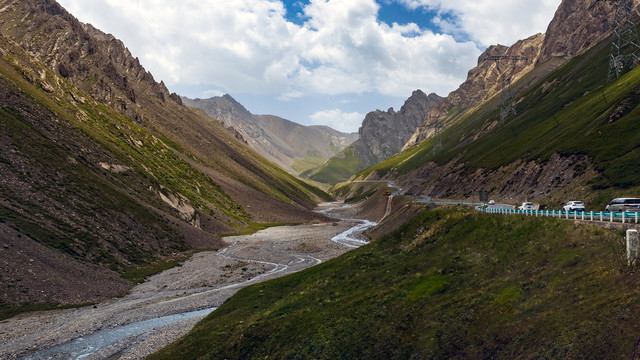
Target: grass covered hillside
339,168
450,283
572,114
106,177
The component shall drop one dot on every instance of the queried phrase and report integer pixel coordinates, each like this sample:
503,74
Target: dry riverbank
205,281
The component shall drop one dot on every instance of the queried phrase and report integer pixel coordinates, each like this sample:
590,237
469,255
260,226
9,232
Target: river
166,306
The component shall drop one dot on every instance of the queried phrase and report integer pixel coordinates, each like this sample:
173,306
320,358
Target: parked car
526,206
492,202
624,204
574,206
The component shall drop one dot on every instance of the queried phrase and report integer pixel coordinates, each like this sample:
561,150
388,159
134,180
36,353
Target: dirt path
203,282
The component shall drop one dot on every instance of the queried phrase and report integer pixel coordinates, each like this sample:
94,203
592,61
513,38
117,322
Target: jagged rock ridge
383,133
577,24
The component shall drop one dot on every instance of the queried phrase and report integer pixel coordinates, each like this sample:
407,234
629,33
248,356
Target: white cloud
490,22
335,118
249,46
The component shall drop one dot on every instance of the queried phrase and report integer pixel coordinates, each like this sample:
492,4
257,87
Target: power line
508,105
625,45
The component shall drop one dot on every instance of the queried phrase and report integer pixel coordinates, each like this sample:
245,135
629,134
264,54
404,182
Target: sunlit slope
338,168
571,111
448,284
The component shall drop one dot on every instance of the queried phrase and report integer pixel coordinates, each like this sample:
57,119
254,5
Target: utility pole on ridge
625,46
508,102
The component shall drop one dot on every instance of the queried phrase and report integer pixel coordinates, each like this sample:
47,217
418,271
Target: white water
348,237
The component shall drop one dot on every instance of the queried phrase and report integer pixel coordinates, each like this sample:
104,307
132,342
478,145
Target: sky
315,62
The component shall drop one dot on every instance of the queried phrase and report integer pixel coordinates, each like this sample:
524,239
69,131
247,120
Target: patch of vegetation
337,169
448,284
361,195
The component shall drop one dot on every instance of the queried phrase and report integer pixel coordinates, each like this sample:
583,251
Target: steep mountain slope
382,134
483,82
573,134
577,24
104,171
447,285
292,146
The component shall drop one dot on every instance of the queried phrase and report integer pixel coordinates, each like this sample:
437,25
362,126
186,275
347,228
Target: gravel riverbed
204,281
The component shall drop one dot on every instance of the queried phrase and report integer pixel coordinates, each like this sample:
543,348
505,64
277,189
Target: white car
491,202
526,206
574,206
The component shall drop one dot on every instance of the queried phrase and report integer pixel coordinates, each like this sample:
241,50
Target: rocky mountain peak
383,134
96,62
577,24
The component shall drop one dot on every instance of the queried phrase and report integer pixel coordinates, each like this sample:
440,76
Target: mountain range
293,147
452,282
106,176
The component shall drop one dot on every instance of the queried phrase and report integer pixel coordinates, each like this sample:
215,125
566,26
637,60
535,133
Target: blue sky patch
295,10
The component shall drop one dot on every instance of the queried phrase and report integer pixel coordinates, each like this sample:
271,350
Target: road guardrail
603,216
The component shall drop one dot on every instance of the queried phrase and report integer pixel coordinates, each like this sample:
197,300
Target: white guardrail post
632,245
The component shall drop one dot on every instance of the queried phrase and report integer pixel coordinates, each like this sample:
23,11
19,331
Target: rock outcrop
483,81
383,133
578,24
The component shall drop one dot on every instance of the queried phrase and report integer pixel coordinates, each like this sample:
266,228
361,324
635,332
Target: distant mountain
294,147
107,176
382,135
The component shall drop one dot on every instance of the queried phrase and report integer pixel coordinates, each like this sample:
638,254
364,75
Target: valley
200,284
137,223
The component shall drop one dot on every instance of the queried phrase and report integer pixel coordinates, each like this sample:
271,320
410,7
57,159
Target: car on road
574,206
526,206
492,202
624,204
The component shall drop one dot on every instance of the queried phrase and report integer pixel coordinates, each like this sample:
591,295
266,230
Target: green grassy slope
448,284
571,111
336,169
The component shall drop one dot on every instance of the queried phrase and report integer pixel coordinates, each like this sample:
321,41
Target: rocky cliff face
577,25
279,140
483,82
383,133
